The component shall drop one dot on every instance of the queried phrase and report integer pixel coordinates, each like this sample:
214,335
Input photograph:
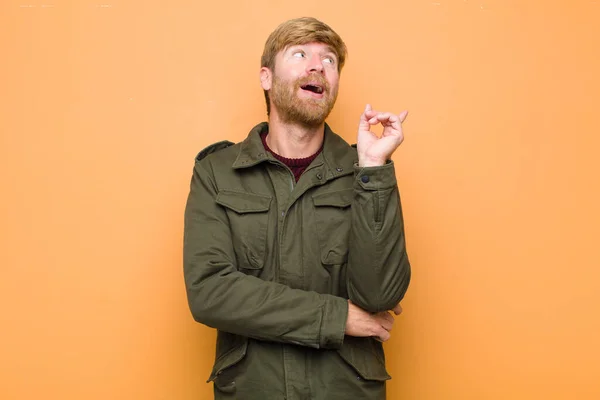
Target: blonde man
294,244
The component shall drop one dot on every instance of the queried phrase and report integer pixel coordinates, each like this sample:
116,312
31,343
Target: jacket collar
338,157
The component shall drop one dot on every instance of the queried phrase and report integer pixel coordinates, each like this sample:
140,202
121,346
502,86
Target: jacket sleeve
378,267
224,298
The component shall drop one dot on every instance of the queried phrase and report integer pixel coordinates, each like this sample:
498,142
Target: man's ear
266,78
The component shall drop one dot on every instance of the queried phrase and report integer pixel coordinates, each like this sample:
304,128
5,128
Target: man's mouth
315,88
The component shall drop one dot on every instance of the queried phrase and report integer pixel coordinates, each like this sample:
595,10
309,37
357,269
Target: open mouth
313,88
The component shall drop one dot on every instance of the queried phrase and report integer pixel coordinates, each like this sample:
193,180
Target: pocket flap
339,198
243,202
232,357
359,353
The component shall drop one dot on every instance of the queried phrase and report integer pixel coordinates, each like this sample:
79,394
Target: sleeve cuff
333,323
375,178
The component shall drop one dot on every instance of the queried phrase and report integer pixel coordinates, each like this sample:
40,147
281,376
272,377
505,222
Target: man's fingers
368,113
387,119
381,117
392,120
371,117
364,124
398,309
403,115
384,116
384,335
371,114
385,320
387,316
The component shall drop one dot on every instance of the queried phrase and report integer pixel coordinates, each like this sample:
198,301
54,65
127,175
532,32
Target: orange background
104,106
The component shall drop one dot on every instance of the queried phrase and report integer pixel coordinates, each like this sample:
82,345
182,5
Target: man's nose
315,64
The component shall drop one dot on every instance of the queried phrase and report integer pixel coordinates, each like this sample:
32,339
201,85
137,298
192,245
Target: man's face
304,85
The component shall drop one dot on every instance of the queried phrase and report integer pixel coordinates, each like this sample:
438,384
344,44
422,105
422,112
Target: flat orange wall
105,104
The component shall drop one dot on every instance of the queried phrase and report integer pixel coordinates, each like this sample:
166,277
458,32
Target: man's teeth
314,89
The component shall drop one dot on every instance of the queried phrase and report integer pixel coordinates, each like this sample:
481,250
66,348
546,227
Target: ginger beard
305,110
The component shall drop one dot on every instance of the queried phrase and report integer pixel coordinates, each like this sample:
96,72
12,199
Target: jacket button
319,176
339,169
261,154
364,178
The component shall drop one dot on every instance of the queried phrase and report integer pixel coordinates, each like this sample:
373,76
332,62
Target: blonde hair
301,31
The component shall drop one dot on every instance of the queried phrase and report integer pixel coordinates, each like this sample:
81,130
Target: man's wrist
371,162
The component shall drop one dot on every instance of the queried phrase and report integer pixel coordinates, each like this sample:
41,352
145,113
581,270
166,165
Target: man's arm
222,297
378,267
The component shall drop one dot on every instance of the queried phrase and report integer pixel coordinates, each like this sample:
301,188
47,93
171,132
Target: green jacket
270,263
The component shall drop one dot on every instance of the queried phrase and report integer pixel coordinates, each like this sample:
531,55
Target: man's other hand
361,323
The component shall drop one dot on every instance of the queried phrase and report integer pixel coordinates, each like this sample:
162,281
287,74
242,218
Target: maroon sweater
296,165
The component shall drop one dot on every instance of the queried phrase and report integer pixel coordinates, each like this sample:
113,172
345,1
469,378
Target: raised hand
375,150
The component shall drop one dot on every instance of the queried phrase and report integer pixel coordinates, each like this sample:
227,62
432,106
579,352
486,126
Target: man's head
300,69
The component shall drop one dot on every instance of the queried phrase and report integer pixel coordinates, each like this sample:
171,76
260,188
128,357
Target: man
294,245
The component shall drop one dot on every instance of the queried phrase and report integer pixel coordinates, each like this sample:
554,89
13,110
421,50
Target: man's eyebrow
330,50
294,47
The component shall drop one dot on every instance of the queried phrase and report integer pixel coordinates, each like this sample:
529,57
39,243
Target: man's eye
298,54
329,60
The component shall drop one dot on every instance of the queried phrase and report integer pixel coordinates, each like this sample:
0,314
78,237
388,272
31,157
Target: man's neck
294,140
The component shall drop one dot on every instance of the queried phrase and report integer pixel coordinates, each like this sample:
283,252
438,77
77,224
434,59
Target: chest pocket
333,215
249,220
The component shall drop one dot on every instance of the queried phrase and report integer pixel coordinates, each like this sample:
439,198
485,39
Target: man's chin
309,116
305,111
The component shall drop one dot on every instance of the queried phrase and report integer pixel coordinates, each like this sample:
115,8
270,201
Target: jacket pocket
333,216
365,355
249,219
231,350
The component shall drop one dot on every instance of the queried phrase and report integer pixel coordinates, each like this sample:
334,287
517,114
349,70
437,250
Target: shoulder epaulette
213,148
